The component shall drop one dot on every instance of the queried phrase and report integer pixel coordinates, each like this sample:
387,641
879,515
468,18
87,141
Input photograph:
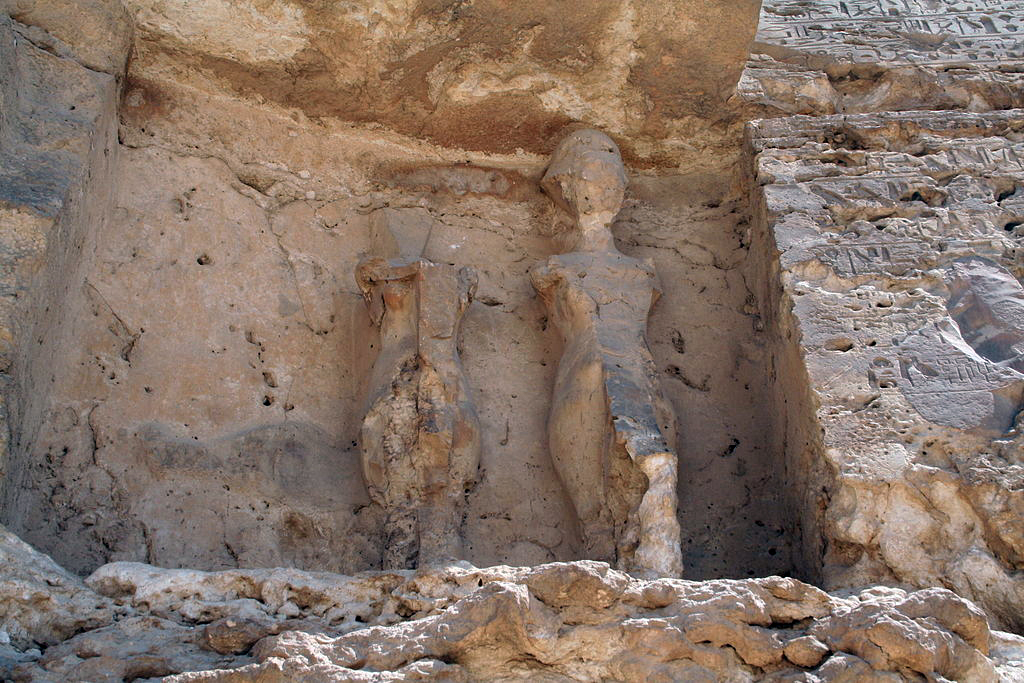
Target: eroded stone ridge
898,239
561,621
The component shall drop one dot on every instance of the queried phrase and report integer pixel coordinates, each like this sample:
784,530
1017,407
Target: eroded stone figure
420,438
610,430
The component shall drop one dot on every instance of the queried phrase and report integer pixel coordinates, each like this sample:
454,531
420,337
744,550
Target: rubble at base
555,622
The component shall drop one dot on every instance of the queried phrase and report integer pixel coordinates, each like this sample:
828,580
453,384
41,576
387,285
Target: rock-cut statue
610,431
420,438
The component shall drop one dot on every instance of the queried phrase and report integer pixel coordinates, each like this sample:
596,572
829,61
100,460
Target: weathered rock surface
576,621
484,76
41,603
212,345
58,146
898,246
95,33
857,56
185,351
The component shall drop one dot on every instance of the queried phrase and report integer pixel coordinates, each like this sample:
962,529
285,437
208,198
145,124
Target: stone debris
562,621
43,604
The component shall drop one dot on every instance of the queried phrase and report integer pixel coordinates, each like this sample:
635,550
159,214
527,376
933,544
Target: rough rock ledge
576,621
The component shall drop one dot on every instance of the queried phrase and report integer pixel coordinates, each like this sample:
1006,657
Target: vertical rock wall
898,238
895,240
59,143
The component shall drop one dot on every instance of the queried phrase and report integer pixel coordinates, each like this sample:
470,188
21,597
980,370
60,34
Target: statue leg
659,552
439,532
387,439
580,441
625,489
401,540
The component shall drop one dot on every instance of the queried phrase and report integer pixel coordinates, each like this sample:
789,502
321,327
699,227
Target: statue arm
468,281
375,270
545,278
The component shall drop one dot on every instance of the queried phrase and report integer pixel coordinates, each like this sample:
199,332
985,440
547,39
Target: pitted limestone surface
898,242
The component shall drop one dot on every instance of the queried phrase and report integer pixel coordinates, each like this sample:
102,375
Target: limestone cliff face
893,286
187,357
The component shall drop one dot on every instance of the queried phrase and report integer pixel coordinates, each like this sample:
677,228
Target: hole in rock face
1005,194
204,259
840,344
925,195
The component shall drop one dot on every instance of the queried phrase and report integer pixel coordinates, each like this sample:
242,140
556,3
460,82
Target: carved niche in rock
610,428
420,438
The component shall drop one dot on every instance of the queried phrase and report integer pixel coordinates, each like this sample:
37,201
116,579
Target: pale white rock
41,603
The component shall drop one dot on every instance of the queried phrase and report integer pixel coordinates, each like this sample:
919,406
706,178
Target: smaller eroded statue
610,430
420,438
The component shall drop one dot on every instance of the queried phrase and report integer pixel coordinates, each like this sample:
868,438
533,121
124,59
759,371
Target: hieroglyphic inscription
1007,158
891,166
946,381
923,210
884,258
936,373
912,31
904,257
874,9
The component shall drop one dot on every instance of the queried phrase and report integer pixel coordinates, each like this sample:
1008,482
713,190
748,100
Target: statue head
586,177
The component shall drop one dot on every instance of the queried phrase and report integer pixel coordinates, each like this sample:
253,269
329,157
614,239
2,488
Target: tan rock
485,76
233,636
589,622
95,33
579,620
806,651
